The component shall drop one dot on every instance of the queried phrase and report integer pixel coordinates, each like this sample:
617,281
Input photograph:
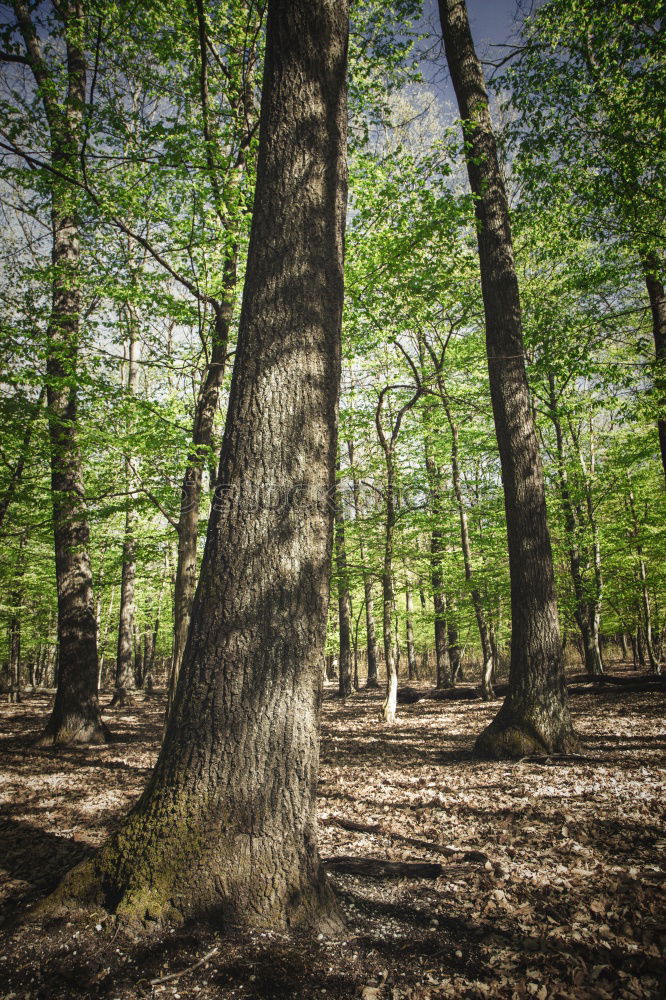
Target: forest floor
569,903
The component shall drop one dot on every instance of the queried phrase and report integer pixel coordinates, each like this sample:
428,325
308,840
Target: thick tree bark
75,716
535,715
226,825
655,289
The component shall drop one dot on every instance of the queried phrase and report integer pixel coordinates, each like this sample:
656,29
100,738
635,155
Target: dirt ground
554,887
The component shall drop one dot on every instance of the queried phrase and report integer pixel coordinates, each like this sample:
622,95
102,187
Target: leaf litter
544,878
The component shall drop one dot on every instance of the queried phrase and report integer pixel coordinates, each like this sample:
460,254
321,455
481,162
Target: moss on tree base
159,895
74,730
513,738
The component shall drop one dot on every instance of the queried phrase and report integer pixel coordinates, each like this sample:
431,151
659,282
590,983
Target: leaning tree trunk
75,717
655,289
226,825
190,499
535,714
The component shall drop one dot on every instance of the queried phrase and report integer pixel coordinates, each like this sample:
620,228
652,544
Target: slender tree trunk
535,714
625,646
15,657
75,717
646,626
15,624
17,473
371,636
188,519
411,653
124,680
481,620
344,604
454,653
226,825
437,550
586,609
389,708
655,289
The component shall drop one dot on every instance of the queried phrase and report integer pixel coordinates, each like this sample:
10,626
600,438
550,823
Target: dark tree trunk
535,715
454,653
655,289
226,825
75,717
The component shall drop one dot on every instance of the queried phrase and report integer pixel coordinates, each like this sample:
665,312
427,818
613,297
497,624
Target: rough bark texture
226,825
535,715
75,716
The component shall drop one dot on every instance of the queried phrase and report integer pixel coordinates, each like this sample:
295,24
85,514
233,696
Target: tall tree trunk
535,714
655,289
190,499
411,653
75,717
586,610
388,444
479,612
17,473
645,632
437,550
125,650
389,707
454,653
344,604
371,636
226,825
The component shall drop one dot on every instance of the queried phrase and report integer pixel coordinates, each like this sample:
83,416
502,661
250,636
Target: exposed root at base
515,740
